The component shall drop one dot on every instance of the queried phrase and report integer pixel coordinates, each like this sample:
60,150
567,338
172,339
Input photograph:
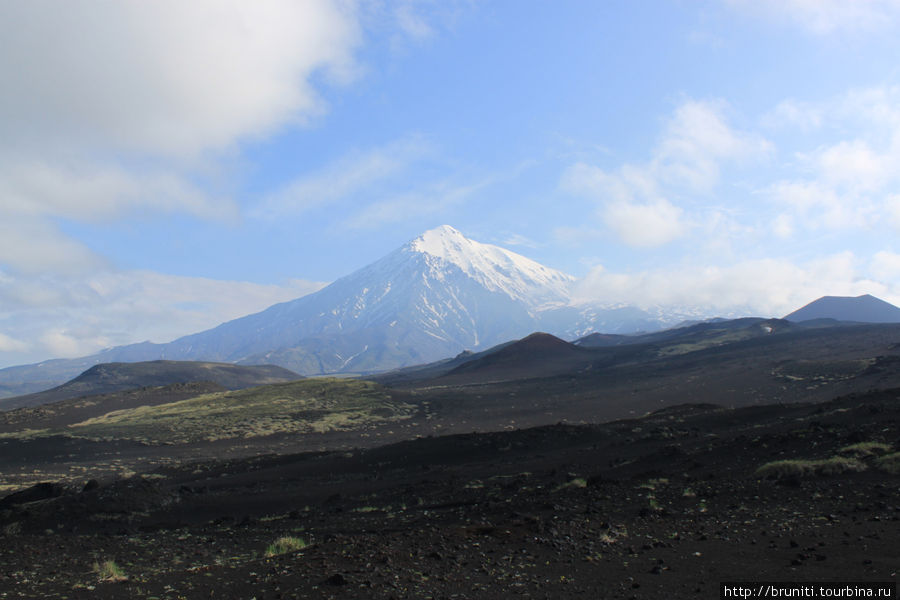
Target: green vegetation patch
710,340
889,463
108,570
309,405
865,449
284,545
786,469
822,371
577,483
25,434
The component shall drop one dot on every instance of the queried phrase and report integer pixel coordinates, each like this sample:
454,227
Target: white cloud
430,200
94,192
630,183
424,197
848,182
856,165
517,239
577,236
817,205
645,225
892,208
638,201
72,316
631,205
790,112
350,175
877,107
411,22
697,140
8,344
35,246
763,287
827,16
783,226
167,77
114,109
886,266
59,343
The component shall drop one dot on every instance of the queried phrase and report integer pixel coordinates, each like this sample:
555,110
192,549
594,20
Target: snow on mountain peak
497,269
444,242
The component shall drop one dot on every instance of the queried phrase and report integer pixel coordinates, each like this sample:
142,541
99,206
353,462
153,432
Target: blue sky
168,166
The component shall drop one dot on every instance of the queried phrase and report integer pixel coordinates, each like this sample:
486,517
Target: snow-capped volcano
433,297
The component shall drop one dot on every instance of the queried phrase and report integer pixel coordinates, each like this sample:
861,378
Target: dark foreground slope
665,506
108,378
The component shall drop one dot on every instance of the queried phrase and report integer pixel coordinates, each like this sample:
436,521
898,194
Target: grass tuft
285,544
787,469
889,463
865,449
578,482
108,570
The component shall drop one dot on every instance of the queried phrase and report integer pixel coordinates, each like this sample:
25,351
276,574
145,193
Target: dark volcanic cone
536,355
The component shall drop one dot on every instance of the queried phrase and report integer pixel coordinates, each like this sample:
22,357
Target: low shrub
578,482
285,544
866,449
788,469
108,570
889,463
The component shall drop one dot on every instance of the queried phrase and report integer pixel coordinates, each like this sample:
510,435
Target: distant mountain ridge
540,354
107,378
859,309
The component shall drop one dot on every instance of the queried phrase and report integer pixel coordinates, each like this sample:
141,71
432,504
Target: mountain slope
797,364
107,378
543,355
433,297
861,309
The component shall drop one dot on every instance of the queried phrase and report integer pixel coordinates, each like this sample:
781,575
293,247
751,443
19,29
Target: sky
167,166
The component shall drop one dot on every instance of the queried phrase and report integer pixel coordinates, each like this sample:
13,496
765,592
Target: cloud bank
823,17
769,287
115,111
66,317
638,202
830,178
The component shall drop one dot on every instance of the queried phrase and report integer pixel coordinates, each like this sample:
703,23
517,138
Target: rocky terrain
666,505
541,469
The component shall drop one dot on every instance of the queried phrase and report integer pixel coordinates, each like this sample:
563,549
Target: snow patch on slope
495,268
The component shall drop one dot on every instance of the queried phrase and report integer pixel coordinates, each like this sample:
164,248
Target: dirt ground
666,506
